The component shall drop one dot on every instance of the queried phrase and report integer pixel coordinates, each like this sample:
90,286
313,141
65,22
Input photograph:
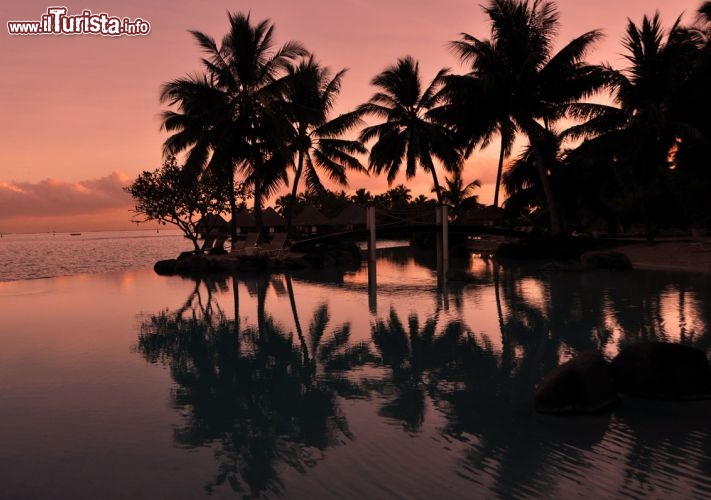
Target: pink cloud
54,197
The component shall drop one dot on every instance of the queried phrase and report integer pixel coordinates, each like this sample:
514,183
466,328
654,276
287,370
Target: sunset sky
80,114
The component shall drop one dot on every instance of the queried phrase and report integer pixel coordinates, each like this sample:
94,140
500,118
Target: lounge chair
249,242
218,248
276,245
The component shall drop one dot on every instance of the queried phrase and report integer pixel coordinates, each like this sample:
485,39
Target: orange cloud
54,197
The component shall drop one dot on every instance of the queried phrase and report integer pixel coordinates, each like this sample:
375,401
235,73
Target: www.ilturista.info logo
57,22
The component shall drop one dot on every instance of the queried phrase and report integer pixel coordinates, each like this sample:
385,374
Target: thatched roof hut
487,216
245,221
351,217
311,221
272,220
311,216
212,224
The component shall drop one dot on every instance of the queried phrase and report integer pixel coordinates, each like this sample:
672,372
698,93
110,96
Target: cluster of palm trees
261,111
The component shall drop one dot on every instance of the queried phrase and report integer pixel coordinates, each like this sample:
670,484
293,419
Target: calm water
130,385
45,255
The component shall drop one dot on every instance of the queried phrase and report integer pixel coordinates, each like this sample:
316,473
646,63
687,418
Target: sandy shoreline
687,255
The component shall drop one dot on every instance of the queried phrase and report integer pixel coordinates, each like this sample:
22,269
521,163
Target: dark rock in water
165,267
185,255
616,261
662,370
192,264
582,385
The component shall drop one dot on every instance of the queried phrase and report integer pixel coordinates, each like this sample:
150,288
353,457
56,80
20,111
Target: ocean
46,255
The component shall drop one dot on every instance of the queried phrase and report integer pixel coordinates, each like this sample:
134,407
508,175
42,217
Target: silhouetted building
310,222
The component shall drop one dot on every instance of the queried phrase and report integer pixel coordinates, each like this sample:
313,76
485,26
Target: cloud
53,197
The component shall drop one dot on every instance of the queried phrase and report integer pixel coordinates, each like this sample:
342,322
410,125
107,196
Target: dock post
371,237
372,277
445,240
438,245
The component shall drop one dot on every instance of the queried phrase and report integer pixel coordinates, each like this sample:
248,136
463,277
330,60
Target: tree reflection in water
262,399
265,396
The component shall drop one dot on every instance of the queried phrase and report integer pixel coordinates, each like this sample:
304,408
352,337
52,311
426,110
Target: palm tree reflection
263,396
251,393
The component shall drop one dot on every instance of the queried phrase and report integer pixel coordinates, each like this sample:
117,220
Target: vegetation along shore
607,150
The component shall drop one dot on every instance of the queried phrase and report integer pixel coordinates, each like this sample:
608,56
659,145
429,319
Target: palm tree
653,93
203,126
316,143
362,197
542,87
457,194
226,118
484,98
409,132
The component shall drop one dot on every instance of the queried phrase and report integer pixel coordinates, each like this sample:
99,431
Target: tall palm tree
484,98
653,94
316,141
542,86
409,132
202,125
226,118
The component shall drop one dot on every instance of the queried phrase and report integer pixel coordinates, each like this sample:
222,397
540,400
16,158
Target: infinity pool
132,385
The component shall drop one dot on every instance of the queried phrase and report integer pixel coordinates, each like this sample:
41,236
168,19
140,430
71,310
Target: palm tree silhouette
409,132
251,392
226,118
316,141
540,87
458,195
652,92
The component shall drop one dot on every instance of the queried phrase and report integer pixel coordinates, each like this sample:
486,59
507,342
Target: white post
438,222
445,239
372,281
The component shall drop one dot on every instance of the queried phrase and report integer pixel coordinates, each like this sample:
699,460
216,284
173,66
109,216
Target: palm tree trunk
500,169
297,323
258,209
438,190
235,297
233,210
556,226
294,189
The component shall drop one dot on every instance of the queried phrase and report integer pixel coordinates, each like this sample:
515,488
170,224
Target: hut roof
310,216
488,212
271,218
351,215
244,219
212,223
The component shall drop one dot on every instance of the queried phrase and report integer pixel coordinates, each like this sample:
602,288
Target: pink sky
80,113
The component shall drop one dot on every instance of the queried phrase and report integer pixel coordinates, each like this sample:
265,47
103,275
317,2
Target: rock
582,385
192,264
606,260
662,370
166,267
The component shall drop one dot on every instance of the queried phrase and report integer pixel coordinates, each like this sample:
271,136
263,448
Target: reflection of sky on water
288,402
